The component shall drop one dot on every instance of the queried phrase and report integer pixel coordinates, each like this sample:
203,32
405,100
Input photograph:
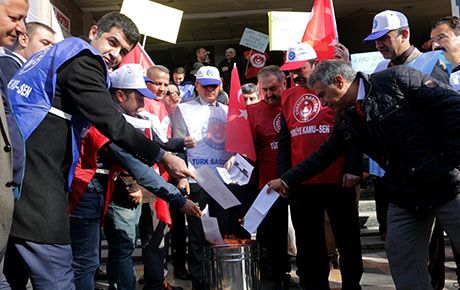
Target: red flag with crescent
256,61
238,136
138,55
321,30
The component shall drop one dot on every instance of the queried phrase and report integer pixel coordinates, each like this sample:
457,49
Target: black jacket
411,128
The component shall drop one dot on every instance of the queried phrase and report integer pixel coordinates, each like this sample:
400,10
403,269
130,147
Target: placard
285,29
254,40
366,61
154,19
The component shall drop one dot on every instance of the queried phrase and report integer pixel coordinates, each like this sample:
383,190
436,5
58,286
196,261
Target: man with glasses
203,119
172,98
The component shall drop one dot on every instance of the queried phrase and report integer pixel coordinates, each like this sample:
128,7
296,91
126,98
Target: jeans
120,231
408,237
85,234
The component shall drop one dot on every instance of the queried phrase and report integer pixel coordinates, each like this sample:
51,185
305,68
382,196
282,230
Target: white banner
286,28
154,19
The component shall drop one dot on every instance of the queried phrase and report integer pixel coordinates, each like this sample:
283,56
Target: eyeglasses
169,93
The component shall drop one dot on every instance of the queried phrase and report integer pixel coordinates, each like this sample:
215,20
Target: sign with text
286,28
366,62
254,40
63,20
154,19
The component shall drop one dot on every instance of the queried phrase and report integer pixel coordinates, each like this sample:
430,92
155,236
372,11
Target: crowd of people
88,145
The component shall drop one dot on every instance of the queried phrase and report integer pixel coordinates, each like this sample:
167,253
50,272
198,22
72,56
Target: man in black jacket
40,227
409,124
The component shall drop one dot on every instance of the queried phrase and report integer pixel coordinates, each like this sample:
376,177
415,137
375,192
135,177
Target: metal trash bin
233,266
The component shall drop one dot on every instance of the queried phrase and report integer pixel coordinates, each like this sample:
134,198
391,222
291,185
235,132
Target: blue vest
33,87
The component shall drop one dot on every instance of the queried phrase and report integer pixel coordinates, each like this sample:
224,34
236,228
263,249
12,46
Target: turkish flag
256,61
238,136
321,31
138,55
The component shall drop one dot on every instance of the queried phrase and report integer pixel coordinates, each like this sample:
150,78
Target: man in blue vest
53,96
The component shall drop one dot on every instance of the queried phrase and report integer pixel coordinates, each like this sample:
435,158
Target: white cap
208,75
385,22
297,56
131,76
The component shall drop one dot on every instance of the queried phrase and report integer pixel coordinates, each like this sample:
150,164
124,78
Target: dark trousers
273,243
15,269
178,238
381,204
85,234
153,249
246,194
196,236
308,205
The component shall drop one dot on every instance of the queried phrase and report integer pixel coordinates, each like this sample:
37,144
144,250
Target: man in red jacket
264,119
305,125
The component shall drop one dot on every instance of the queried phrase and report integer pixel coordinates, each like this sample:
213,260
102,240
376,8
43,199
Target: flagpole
247,63
335,21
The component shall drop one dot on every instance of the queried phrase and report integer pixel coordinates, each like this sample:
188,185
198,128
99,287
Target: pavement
376,271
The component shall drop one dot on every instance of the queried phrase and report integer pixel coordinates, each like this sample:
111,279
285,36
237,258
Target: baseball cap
208,75
386,21
297,56
131,76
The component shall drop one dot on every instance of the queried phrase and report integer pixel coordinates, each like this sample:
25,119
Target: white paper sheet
239,173
214,186
211,228
259,209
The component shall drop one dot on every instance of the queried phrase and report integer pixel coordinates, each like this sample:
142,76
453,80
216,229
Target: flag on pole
255,61
238,136
321,30
138,55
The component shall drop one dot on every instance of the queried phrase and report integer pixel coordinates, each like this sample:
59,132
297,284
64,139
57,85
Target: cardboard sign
254,40
366,61
286,28
154,19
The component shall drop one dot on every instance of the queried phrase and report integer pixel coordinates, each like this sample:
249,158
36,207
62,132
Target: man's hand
183,184
176,167
350,180
189,142
229,163
341,53
278,186
136,196
190,208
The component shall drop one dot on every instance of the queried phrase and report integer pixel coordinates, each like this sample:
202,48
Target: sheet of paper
224,175
211,228
265,200
214,186
259,209
239,173
252,220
